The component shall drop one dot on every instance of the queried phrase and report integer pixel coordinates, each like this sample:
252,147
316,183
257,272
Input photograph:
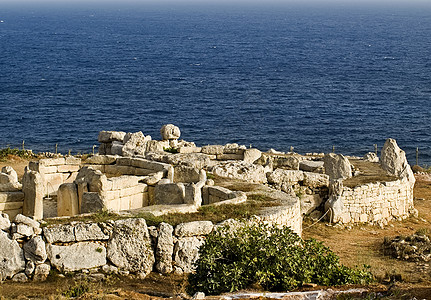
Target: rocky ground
356,245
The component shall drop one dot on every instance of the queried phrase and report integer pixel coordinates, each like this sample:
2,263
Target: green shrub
277,259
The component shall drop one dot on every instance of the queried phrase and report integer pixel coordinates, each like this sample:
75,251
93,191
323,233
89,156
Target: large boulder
11,257
9,180
186,252
11,172
135,144
170,132
130,246
337,166
393,160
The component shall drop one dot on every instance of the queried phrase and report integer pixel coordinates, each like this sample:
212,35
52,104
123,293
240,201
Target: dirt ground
355,245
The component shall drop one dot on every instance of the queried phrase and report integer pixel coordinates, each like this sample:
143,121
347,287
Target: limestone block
123,182
75,257
11,197
4,222
11,206
11,257
157,146
164,248
195,228
68,168
125,203
101,159
21,230
371,157
116,148
219,192
170,132
310,165
151,198
71,160
119,170
233,148
149,165
110,136
130,246
137,189
46,162
314,180
135,144
241,170
11,172
124,161
230,156
33,187
92,202
67,200
394,161
193,193
113,205
186,150
111,195
138,201
171,193
309,203
20,277
213,149
280,176
59,233
35,250
251,155
37,167
89,232
186,252
154,178
21,219
337,166
41,272
145,172
188,174
95,180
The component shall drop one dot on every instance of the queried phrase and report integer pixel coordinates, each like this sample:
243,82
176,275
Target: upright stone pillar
67,200
33,188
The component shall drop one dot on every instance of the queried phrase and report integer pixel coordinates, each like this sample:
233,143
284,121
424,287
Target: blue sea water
303,75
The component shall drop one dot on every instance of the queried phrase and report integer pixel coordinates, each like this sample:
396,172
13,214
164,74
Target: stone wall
376,203
127,246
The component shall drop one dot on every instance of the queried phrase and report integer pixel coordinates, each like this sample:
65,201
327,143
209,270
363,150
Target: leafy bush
237,256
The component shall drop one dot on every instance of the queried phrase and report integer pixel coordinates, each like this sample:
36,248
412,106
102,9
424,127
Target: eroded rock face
241,170
170,132
194,228
394,161
34,190
11,172
186,252
35,250
337,166
371,157
11,257
4,222
164,248
83,255
135,144
130,246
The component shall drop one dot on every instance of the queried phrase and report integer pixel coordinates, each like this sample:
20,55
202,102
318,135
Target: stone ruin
132,172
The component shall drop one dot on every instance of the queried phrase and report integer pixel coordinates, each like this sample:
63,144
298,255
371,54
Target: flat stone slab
160,210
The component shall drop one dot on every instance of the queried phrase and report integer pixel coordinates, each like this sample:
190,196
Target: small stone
29,268
199,296
20,277
41,272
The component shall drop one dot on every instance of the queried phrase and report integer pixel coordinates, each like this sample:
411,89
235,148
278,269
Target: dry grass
369,173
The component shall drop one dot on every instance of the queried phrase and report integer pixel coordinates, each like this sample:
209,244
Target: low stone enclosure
133,173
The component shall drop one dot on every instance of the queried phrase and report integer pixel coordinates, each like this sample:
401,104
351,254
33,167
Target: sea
315,76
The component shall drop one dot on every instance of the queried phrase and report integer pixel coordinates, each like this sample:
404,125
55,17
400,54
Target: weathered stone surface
170,132
59,233
335,203
170,193
135,144
195,160
11,257
41,272
241,170
8,183
309,203
314,180
92,202
29,268
194,228
213,149
394,161
130,246
26,220
67,200
21,230
157,146
33,187
109,136
4,222
101,159
35,250
186,253
193,193
371,156
251,155
280,176
164,248
285,162
83,255
310,165
89,231
117,148
153,178
188,174
20,277
11,172
337,166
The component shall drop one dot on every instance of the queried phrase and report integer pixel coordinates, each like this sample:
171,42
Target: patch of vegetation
170,150
248,253
77,290
6,153
98,217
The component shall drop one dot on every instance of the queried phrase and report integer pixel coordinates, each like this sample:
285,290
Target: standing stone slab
337,166
394,161
83,255
67,200
164,248
186,252
11,257
130,246
34,190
